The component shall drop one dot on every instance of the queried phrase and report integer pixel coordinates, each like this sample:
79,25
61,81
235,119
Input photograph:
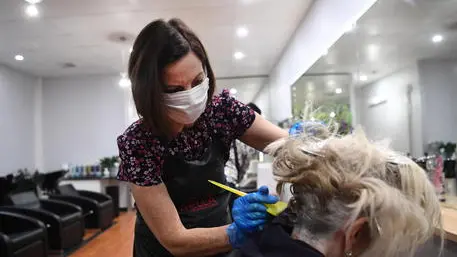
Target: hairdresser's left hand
249,212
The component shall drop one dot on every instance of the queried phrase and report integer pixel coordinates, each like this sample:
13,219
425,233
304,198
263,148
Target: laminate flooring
117,241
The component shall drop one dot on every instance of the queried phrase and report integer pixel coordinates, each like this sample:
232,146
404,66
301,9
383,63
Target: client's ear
358,237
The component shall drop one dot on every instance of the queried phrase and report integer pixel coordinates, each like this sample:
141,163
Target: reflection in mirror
401,58
323,97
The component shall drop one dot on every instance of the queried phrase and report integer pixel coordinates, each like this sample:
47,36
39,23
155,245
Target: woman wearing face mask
181,141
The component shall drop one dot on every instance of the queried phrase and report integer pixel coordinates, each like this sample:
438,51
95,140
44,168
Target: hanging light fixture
32,8
124,82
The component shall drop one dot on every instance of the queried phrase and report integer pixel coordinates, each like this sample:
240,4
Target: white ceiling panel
391,35
79,31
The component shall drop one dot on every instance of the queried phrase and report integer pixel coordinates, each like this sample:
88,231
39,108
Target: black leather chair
64,221
22,236
98,208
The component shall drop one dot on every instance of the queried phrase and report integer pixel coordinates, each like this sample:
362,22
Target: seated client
349,197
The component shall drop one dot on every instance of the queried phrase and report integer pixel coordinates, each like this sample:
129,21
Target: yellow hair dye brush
273,209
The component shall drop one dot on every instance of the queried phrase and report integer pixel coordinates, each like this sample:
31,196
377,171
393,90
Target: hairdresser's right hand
249,214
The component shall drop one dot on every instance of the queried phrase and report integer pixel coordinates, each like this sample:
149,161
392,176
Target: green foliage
449,149
108,162
342,113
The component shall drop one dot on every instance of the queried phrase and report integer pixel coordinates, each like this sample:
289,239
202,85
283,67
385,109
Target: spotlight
437,38
242,32
238,55
19,57
363,78
31,10
124,81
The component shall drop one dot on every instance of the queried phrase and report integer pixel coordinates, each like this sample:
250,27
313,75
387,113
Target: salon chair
64,221
98,208
22,236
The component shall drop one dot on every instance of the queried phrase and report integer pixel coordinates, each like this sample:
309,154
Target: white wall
322,26
263,101
82,118
439,82
17,124
390,120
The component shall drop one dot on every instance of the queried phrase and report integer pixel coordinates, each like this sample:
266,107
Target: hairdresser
181,141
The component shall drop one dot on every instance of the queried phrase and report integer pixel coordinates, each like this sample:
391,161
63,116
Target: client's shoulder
276,241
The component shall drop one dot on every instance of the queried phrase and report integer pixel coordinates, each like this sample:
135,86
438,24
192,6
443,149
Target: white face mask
185,107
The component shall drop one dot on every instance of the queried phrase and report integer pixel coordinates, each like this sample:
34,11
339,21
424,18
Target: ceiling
392,35
245,88
81,32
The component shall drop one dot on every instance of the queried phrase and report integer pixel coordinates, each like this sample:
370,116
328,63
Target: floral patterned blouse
142,153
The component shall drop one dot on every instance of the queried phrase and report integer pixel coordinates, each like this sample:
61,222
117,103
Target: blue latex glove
235,235
249,215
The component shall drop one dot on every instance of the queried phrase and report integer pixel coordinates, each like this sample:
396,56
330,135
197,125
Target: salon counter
449,212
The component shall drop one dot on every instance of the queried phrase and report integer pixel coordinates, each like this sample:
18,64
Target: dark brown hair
159,44
255,108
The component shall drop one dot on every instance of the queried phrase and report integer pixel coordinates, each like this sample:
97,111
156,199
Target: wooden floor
116,241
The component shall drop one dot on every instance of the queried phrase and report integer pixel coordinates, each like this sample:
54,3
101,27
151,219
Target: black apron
199,203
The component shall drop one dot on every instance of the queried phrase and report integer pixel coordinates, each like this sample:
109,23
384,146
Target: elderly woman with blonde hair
349,197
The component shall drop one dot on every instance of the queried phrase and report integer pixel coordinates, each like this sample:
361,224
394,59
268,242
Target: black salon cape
275,241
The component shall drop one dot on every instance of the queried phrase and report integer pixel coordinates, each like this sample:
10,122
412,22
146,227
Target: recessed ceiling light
19,57
310,86
363,78
33,1
373,49
242,32
338,90
31,10
238,55
124,82
233,91
437,38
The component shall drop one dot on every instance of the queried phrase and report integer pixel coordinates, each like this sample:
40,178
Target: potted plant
109,165
449,150
449,165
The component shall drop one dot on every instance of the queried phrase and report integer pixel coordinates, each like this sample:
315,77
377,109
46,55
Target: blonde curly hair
336,180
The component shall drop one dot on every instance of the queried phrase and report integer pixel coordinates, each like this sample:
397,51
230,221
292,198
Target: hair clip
398,159
310,152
